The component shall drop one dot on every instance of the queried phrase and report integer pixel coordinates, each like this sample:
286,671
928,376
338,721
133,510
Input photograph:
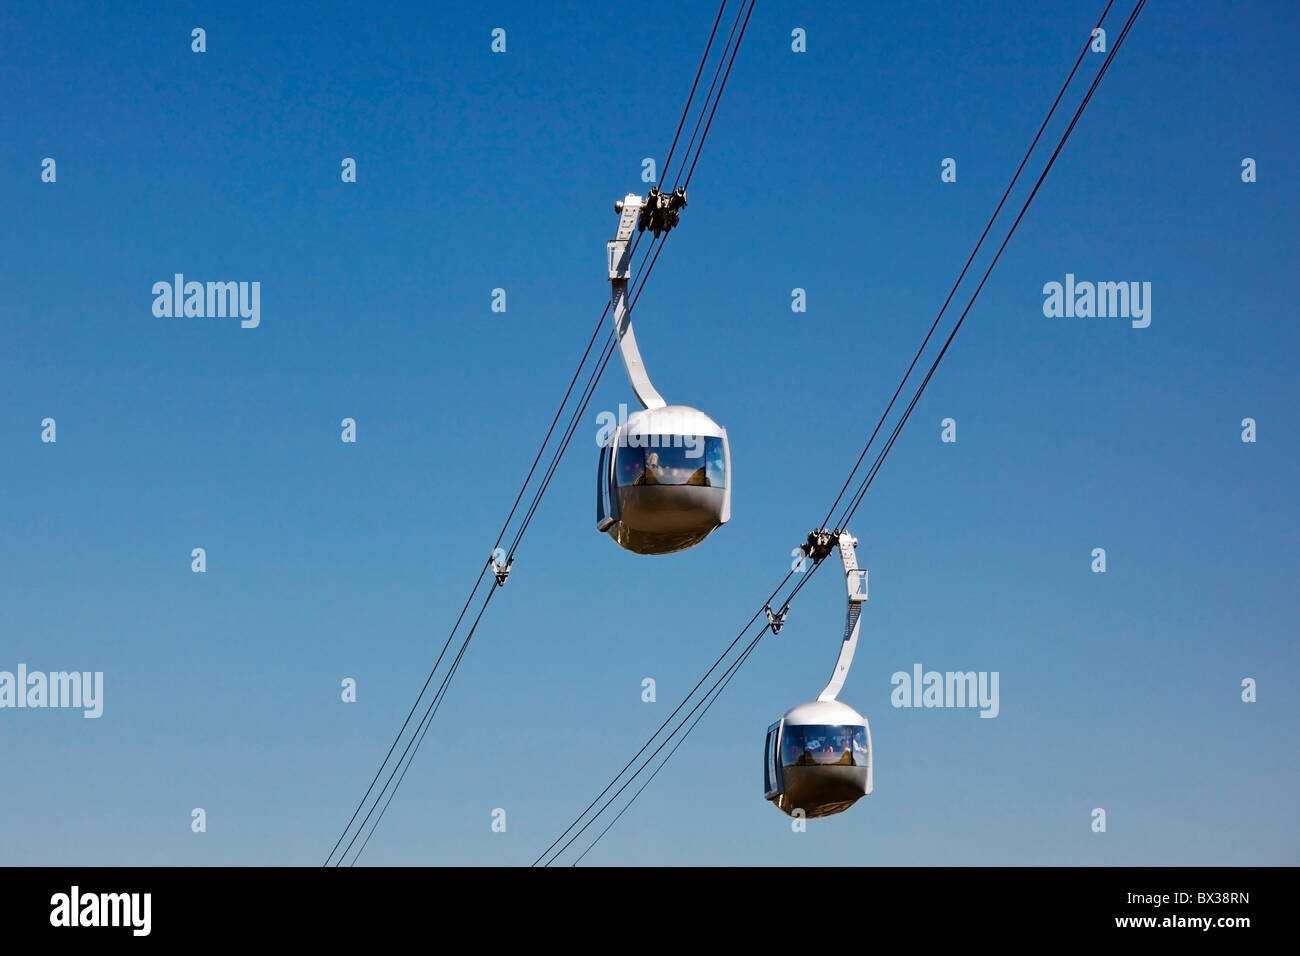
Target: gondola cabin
817,759
663,481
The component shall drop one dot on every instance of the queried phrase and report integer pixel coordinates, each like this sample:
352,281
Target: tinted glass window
838,745
673,460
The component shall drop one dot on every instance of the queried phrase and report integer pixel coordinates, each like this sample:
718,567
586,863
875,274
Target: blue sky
476,171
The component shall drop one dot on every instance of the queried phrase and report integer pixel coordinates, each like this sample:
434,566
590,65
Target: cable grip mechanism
819,545
501,566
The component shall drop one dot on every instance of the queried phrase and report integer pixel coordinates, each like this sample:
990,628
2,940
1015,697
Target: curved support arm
620,271
855,582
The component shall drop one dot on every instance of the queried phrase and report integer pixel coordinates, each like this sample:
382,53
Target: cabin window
671,460
824,745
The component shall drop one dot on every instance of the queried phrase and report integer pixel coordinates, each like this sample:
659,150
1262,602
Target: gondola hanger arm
855,583
620,273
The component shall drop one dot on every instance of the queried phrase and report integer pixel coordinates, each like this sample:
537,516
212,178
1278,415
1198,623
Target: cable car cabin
663,483
818,759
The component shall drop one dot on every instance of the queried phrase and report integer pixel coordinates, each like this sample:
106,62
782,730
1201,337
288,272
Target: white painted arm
620,271
855,582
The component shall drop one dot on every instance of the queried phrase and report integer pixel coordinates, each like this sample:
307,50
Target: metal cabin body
817,759
663,480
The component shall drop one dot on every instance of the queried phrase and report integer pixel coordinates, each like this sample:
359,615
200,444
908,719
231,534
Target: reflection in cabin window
673,460
824,745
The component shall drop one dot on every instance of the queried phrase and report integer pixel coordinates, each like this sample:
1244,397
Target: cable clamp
500,567
775,619
661,210
820,543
